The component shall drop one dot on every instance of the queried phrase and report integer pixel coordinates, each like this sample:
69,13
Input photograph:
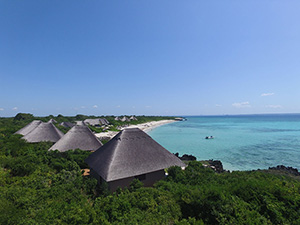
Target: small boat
209,137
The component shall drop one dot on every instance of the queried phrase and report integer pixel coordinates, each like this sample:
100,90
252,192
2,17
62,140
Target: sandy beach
146,127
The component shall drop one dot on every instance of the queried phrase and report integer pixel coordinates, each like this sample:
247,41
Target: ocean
244,142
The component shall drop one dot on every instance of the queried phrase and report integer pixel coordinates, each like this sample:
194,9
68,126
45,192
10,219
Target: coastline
146,127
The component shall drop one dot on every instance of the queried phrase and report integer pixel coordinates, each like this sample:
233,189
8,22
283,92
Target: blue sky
149,57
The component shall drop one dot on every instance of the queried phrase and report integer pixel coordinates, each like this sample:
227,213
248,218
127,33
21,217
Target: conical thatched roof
80,123
44,132
133,118
78,137
95,122
104,121
124,119
52,121
67,124
29,127
130,153
92,122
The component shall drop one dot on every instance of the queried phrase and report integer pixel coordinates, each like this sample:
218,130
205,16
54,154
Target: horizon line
193,115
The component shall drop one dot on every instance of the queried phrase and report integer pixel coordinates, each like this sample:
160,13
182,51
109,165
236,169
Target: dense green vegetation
21,119
41,187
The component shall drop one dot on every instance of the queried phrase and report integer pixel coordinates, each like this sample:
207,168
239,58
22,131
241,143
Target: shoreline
146,127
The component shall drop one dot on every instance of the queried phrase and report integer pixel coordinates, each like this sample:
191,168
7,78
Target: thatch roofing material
130,153
133,118
80,123
44,132
67,124
92,122
95,122
78,137
52,121
29,127
125,119
104,121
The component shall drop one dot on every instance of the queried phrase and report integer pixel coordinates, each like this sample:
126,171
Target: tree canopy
38,186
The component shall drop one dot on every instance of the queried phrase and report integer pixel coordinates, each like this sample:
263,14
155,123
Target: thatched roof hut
52,121
92,122
131,154
29,127
67,124
80,123
125,119
44,132
78,137
96,122
133,118
104,121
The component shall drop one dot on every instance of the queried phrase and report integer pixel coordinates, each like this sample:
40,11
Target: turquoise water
241,142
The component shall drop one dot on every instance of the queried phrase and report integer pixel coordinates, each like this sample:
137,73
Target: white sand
146,127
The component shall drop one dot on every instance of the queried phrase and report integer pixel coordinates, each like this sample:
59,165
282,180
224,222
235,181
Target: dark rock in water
216,165
289,169
186,157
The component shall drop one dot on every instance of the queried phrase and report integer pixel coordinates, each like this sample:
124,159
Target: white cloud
118,106
15,108
241,105
218,105
267,94
274,106
95,106
1,109
147,106
83,107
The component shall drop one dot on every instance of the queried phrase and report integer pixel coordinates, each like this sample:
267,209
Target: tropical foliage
42,187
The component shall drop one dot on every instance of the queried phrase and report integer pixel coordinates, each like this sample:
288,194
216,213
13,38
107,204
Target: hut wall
95,175
148,179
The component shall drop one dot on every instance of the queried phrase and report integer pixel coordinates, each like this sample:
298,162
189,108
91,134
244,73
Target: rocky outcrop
216,165
289,169
186,157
